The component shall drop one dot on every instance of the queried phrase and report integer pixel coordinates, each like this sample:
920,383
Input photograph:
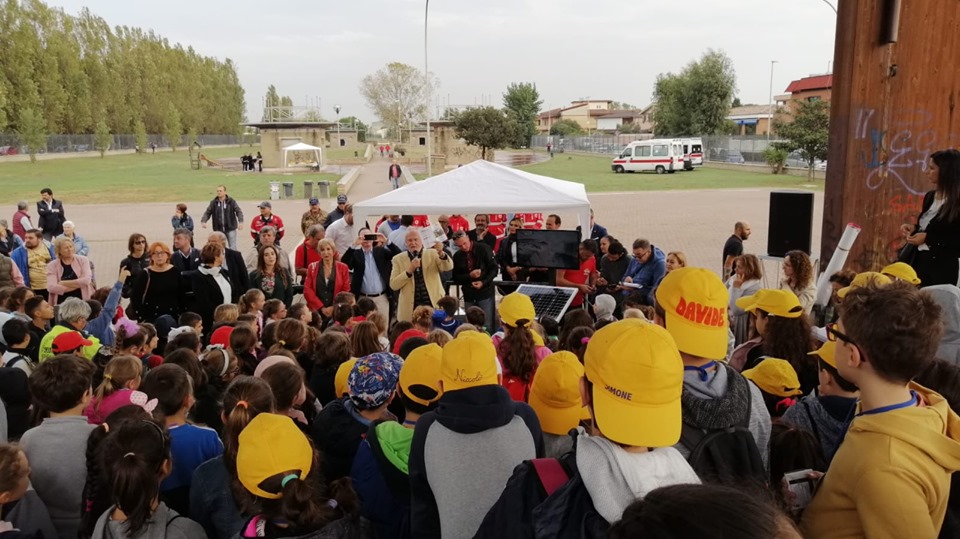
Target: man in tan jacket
416,274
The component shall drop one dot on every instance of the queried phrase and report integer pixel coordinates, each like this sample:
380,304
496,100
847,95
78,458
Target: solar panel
551,301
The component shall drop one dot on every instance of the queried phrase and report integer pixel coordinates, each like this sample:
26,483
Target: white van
693,151
657,155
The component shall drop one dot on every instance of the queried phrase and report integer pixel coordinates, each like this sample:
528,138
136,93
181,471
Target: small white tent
302,147
480,187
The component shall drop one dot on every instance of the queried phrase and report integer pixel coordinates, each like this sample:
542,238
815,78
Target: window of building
423,141
813,98
661,150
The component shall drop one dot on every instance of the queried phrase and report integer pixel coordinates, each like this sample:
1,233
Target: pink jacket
81,266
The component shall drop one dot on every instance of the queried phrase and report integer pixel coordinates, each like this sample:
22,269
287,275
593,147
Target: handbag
907,253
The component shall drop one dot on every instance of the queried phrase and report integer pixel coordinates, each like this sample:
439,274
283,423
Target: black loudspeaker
791,222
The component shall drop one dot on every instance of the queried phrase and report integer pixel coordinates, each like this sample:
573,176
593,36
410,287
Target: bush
776,158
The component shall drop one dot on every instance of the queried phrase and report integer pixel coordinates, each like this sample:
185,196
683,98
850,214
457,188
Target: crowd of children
624,420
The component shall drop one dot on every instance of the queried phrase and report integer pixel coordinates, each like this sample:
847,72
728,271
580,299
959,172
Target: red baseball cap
69,341
222,336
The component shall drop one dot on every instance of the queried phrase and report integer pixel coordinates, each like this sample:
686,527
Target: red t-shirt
312,256
458,223
581,276
421,221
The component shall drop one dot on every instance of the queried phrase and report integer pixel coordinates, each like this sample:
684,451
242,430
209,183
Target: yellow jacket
891,475
432,265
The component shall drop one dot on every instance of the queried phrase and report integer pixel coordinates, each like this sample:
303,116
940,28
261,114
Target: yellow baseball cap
827,352
271,445
782,303
775,376
420,374
695,302
902,271
863,279
470,360
516,306
637,377
555,392
343,374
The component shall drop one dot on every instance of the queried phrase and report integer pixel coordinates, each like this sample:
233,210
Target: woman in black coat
935,239
209,285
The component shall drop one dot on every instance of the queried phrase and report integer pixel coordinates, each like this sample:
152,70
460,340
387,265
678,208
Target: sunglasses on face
140,242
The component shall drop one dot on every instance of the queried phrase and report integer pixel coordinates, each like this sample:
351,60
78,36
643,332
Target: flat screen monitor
554,249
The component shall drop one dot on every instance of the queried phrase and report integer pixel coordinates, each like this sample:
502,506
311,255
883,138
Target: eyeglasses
158,253
140,242
833,334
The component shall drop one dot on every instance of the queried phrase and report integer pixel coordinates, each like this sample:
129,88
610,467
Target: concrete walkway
373,180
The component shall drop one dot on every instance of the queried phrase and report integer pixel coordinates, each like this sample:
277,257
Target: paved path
373,180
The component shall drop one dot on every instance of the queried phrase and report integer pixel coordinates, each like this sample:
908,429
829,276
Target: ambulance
693,151
656,155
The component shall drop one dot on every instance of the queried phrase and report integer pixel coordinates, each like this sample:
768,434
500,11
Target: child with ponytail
136,457
517,349
277,466
213,503
251,302
130,338
121,380
220,368
97,492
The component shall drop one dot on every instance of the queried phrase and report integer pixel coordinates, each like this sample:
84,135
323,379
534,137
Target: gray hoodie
164,523
716,386
615,478
948,297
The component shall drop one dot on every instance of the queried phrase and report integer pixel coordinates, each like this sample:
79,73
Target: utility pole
770,119
426,77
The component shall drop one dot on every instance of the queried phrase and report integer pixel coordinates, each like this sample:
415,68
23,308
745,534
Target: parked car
734,156
82,147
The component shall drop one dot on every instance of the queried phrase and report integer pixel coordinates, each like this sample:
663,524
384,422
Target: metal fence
603,144
10,143
723,149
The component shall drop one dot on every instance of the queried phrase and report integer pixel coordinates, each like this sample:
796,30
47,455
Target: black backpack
725,455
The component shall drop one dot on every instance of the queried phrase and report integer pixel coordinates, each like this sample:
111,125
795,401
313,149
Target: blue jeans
232,239
489,308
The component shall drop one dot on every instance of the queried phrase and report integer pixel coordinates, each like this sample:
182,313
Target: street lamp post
337,109
426,78
770,119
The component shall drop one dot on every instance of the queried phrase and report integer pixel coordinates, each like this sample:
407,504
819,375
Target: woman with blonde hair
325,279
745,281
676,260
70,274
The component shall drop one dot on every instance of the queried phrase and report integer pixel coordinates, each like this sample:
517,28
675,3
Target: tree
32,131
623,105
522,102
809,131
103,138
776,156
565,127
172,128
192,137
140,134
487,128
697,100
398,92
736,103
354,123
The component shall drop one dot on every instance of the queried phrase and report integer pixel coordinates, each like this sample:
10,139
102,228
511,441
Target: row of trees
66,74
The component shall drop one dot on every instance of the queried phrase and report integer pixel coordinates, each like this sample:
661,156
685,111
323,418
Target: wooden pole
892,105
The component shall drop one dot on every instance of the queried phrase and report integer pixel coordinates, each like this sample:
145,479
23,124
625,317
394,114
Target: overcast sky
601,49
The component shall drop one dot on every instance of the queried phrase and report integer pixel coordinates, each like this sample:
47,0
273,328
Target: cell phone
370,237
802,486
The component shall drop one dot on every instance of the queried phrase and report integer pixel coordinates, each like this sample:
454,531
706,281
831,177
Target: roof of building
293,124
552,113
620,113
762,111
814,82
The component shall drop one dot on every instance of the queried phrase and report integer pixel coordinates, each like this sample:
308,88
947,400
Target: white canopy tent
480,187
301,147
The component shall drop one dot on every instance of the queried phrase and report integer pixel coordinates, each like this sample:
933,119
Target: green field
594,173
160,177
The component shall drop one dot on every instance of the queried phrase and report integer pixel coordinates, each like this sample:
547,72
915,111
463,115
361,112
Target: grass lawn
595,174
346,153
160,177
